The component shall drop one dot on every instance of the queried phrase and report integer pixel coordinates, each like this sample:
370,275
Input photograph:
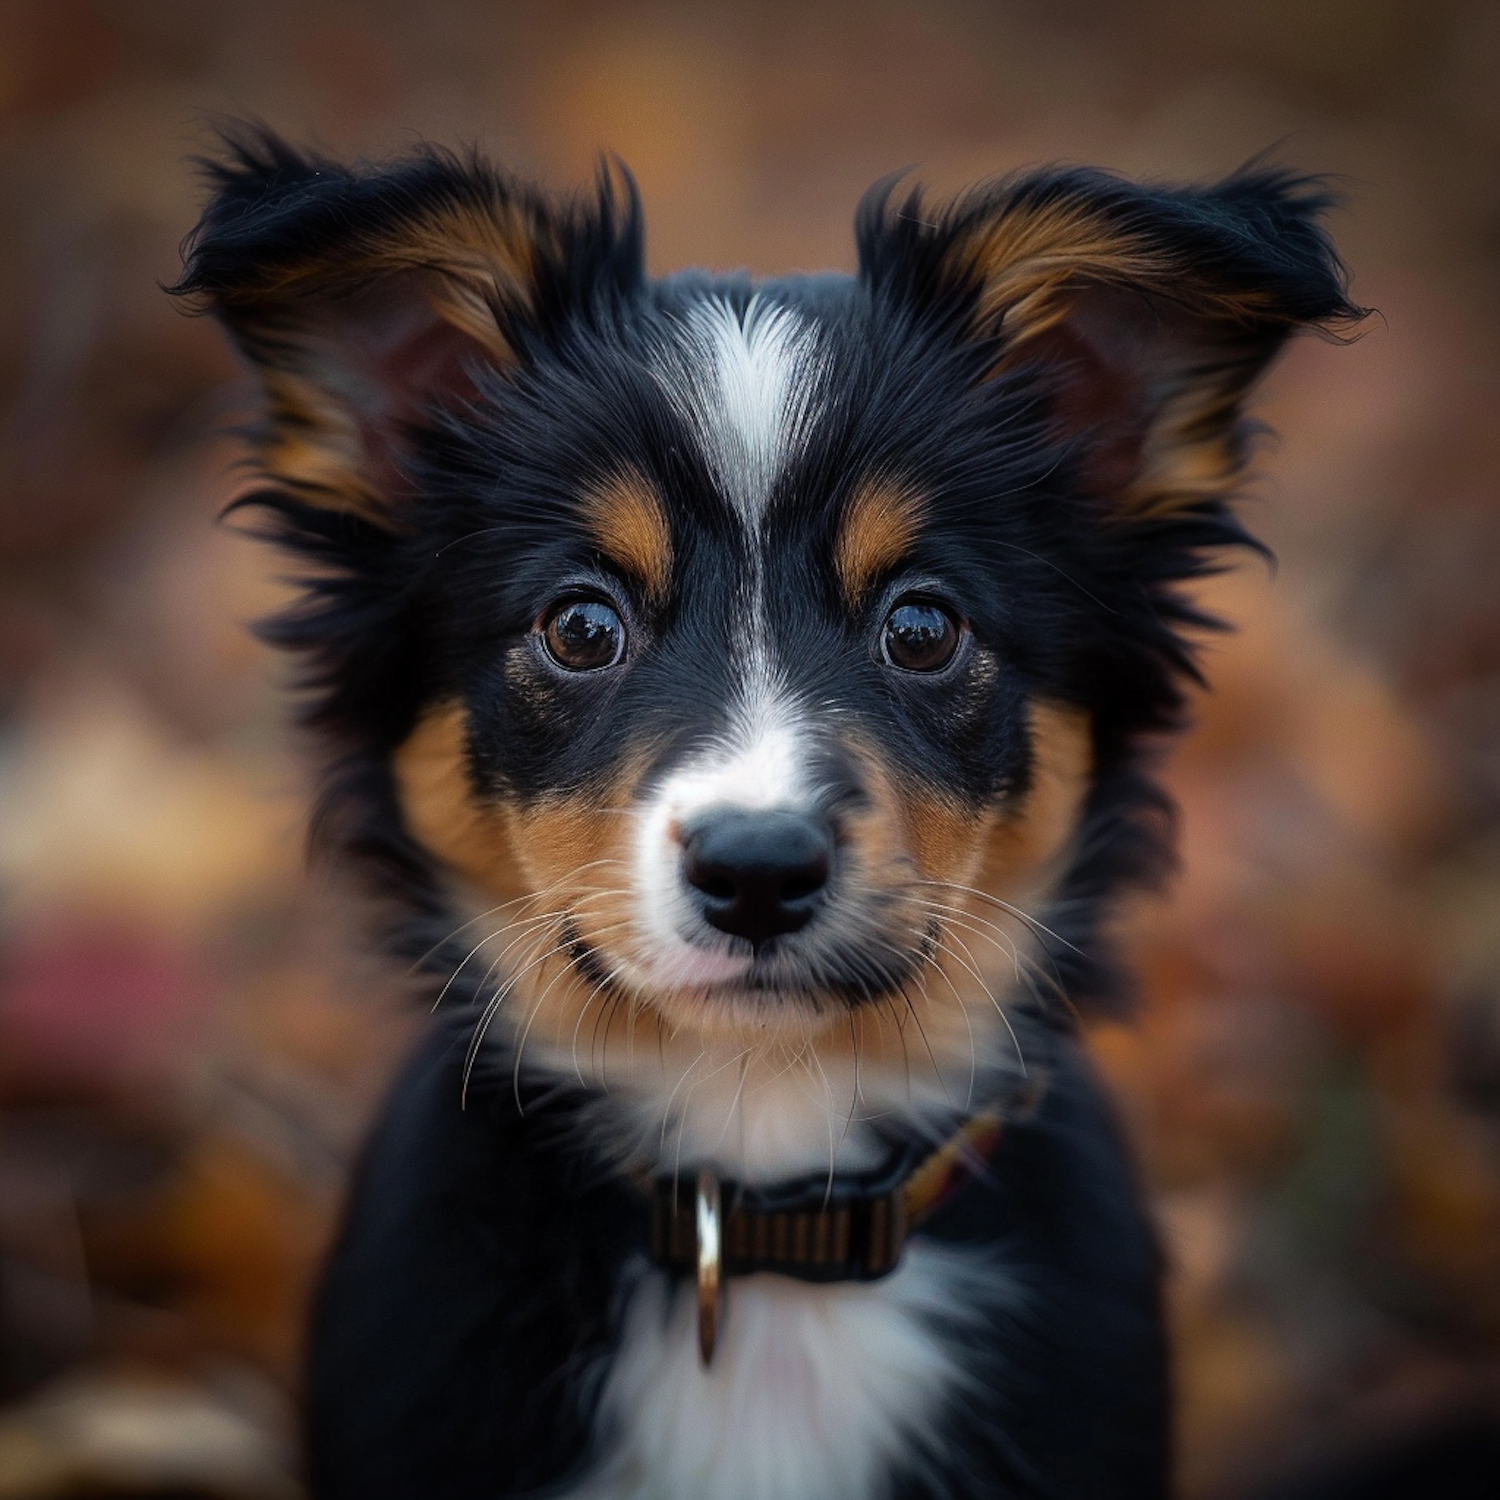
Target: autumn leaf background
191,1032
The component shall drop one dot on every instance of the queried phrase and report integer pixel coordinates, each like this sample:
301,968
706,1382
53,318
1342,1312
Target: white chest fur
815,1393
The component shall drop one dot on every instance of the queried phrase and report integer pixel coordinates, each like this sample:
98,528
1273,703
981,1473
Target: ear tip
272,205
1287,210
252,172
892,231
251,156
616,205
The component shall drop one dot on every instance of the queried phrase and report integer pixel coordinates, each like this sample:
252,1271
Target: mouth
839,976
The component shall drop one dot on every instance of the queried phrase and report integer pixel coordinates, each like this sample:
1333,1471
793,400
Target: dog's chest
815,1393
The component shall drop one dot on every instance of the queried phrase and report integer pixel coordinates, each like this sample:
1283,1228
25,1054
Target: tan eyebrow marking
880,523
629,522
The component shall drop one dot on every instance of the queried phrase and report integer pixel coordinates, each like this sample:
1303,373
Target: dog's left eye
919,636
584,635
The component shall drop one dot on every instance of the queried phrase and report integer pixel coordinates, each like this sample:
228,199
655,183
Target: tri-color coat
741,693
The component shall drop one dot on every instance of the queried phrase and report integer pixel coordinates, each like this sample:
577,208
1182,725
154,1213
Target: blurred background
190,1039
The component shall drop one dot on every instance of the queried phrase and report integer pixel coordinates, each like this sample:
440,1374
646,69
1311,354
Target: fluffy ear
364,296
1144,313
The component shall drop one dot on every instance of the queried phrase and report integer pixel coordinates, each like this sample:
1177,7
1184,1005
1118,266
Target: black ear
366,295
1146,313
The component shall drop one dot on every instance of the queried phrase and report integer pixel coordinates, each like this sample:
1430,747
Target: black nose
757,874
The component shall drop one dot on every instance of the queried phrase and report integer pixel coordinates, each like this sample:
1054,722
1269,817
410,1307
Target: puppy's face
772,662
748,711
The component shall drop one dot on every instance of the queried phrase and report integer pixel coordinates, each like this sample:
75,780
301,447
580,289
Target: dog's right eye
919,636
583,635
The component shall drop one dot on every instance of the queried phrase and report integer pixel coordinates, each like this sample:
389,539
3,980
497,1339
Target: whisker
980,926
523,930
734,1104
553,889
830,1113
667,1108
900,1023
600,988
443,942
1018,960
493,1005
527,925
854,1053
567,968
483,1025
963,1011
1015,911
922,1030
682,1118
990,994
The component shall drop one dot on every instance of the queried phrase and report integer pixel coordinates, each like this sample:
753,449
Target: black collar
822,1227
849,1227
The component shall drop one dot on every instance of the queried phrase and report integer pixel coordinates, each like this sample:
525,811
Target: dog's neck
762,1114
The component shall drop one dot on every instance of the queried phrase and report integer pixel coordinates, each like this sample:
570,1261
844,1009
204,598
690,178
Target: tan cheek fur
1003,852
441,813
1024,852
569,846
1013,856
576,853
561,855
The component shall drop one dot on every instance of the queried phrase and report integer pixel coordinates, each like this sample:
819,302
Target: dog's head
775,659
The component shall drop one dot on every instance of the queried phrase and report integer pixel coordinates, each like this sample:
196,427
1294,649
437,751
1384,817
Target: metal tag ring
710,1265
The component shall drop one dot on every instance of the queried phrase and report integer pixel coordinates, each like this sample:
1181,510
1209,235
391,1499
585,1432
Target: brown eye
919,637
584,635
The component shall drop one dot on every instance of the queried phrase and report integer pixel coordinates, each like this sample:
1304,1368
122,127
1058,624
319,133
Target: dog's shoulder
489,1315
471,1285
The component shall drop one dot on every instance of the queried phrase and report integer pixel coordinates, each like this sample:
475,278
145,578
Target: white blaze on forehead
747,389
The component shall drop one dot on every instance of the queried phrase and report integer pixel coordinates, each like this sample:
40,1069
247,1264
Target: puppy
741,696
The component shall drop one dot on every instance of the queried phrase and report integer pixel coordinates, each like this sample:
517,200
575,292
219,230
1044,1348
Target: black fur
476,1290
475,1296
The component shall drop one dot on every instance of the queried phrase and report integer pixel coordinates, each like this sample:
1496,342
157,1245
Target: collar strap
849,1228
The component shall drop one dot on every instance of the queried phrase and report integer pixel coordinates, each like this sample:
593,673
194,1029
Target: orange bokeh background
191,1035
